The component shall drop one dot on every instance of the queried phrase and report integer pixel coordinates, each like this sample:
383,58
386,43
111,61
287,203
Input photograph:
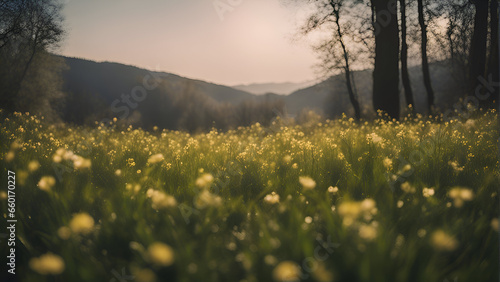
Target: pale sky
252,43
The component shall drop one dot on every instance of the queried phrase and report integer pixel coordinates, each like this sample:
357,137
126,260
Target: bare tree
29,28
329,13
43,28
425,60
404,57
11,14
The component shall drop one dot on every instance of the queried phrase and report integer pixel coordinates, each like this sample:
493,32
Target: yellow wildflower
286,271
81,223
156,158
161,254
47,264
272,198
307,182
46,183
443,242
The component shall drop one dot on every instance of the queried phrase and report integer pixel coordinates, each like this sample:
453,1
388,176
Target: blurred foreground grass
382,201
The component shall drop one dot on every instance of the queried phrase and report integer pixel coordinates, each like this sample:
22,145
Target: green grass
378,225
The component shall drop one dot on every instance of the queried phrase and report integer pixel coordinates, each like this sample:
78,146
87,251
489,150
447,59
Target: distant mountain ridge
284,88
95,90
124,77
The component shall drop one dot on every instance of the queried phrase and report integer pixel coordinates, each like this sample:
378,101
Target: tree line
30,75
380,34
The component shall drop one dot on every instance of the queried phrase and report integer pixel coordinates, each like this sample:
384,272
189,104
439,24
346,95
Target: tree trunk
386,72
425,60
477,55
493,64
352,96
404,58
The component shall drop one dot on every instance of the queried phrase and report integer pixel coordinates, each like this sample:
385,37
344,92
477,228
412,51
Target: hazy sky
250,43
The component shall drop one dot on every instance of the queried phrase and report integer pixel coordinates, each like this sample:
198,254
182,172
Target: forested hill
95,91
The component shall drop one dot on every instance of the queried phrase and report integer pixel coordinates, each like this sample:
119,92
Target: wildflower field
415,200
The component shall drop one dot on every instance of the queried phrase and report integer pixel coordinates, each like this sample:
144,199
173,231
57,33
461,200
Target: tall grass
415,200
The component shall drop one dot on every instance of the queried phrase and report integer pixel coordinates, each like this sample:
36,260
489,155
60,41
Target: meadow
409,200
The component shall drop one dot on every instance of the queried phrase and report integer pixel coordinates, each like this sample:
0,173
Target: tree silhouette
386,72
404,57
334,51
27,28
